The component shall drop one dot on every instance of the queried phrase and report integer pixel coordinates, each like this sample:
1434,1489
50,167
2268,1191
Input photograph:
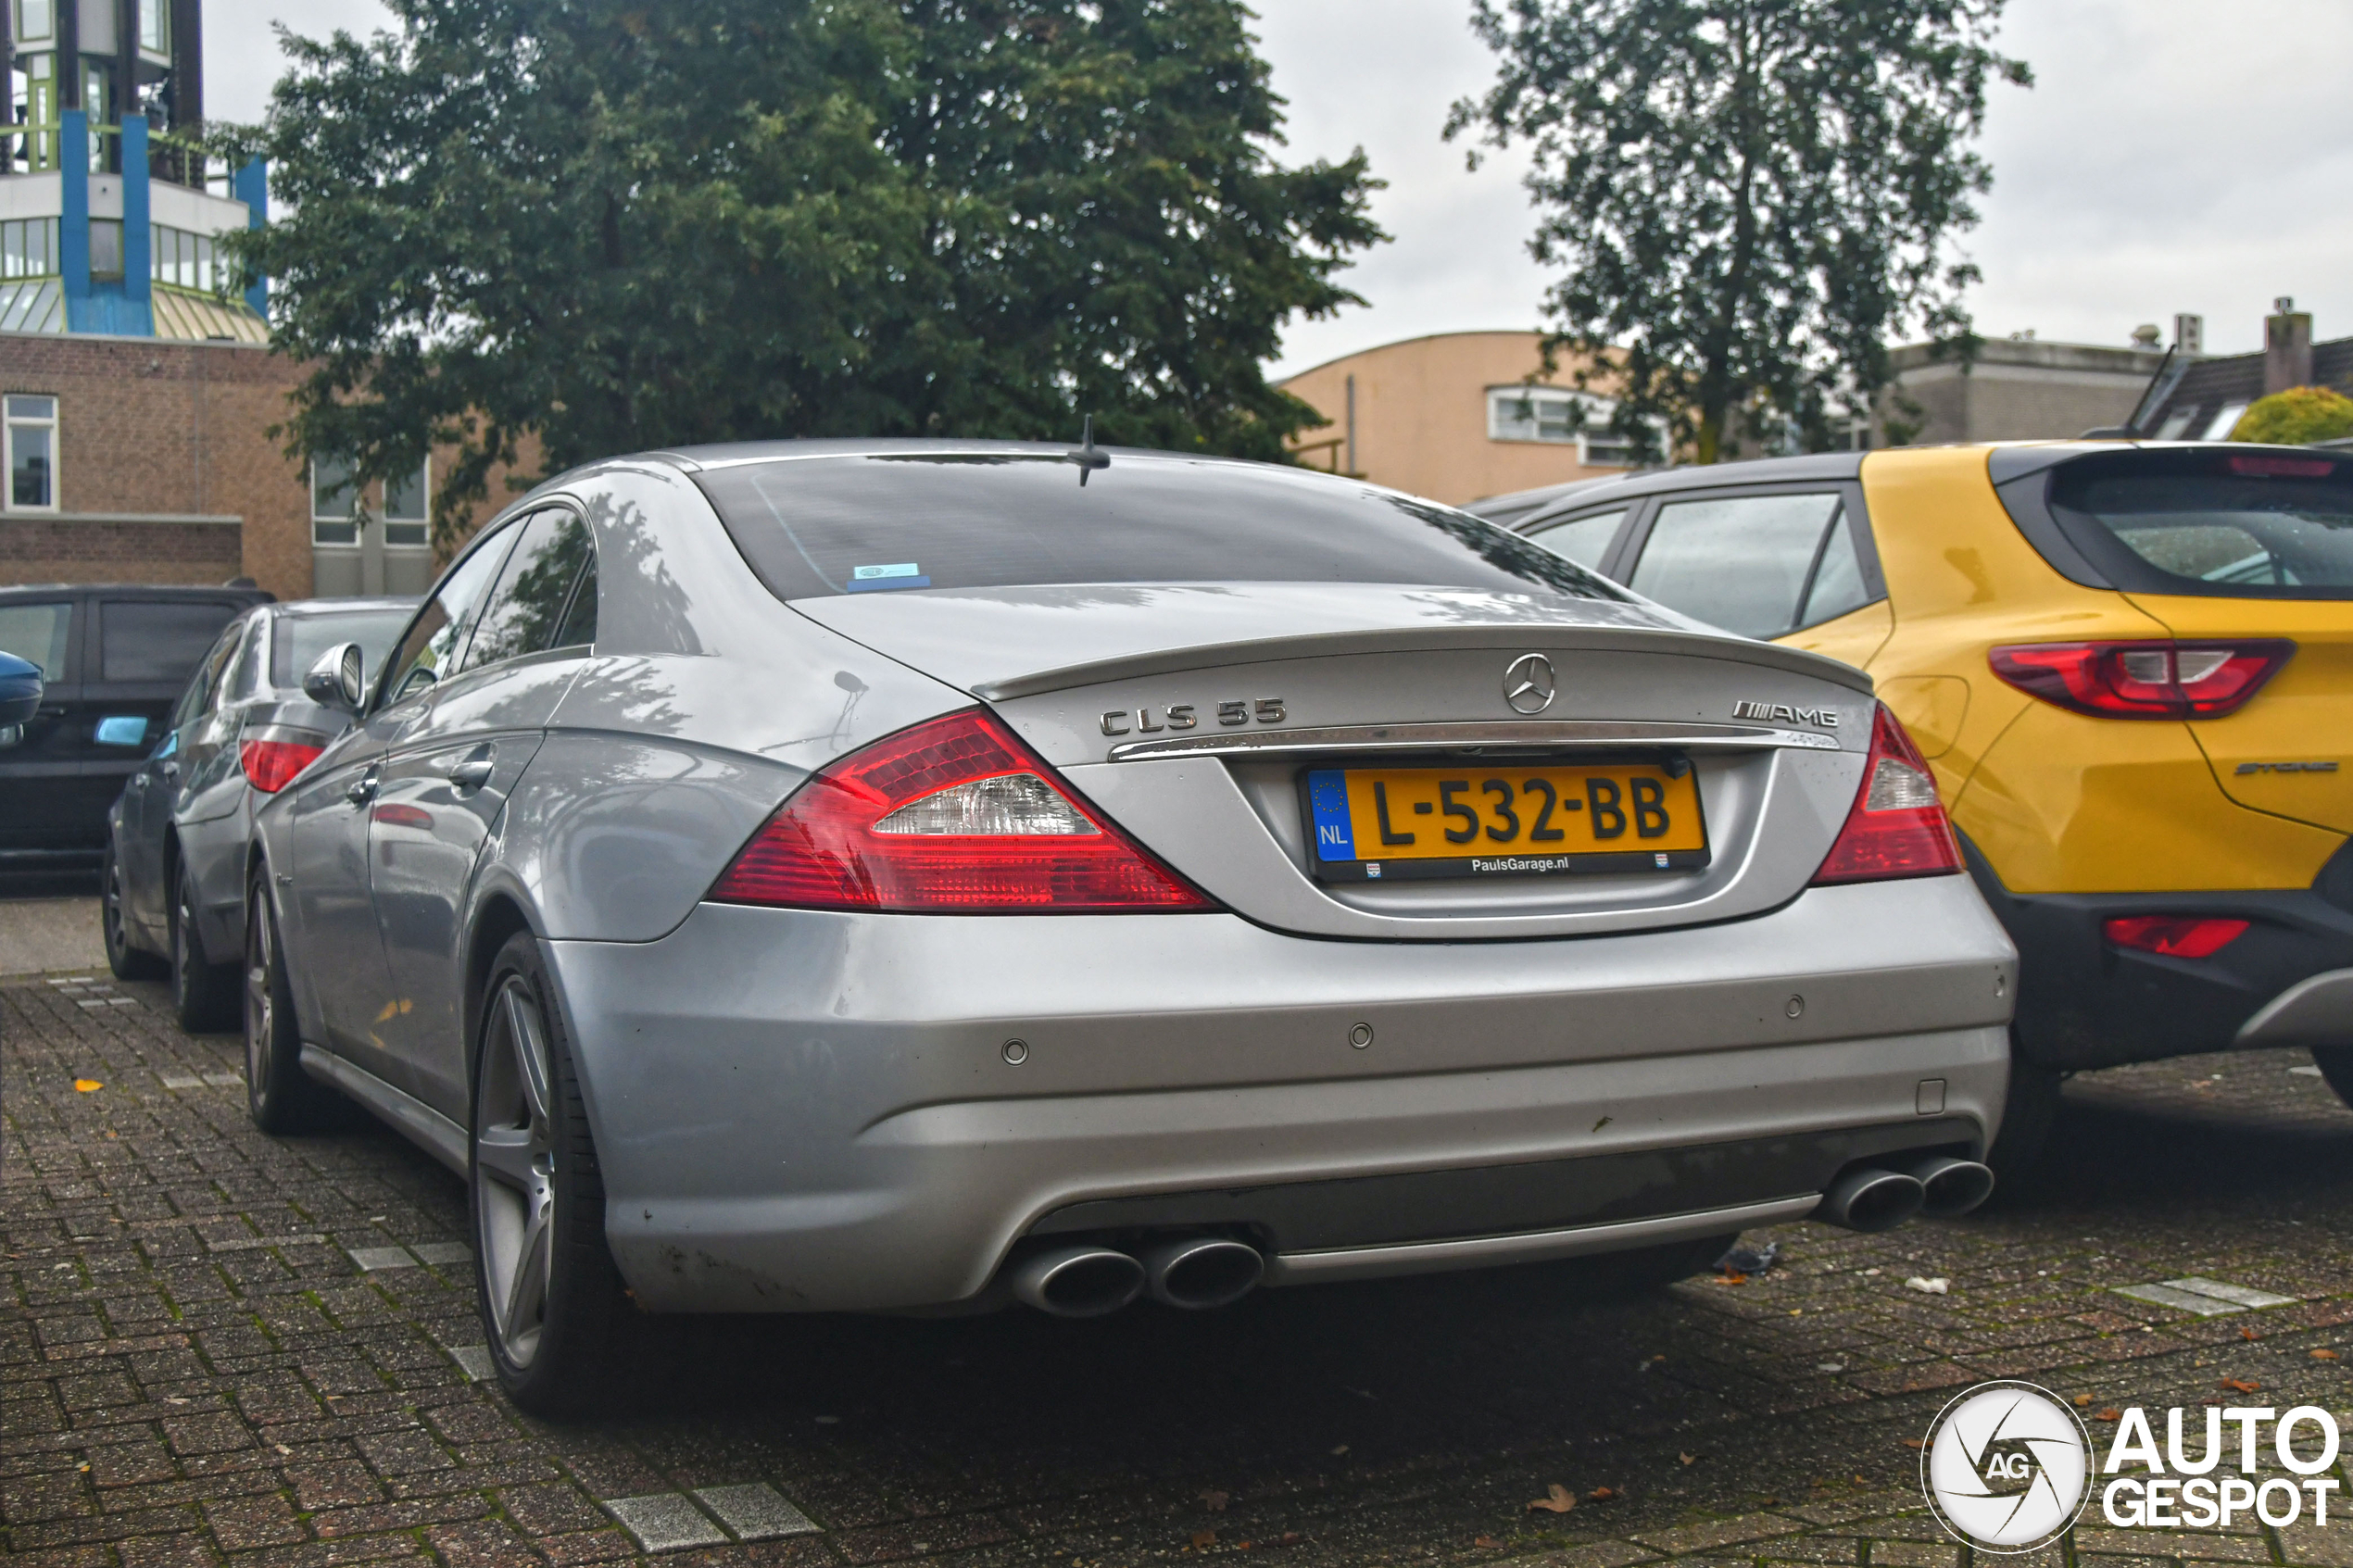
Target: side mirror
21,689
339,679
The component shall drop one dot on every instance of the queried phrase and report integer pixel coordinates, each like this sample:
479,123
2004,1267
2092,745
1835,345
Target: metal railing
36,147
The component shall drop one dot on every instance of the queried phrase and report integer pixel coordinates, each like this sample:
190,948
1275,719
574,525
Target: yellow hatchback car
2130,666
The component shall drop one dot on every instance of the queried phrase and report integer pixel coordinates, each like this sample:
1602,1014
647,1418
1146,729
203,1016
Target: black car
241,730
113,656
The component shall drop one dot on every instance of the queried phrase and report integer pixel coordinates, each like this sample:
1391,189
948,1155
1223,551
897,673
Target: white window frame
351,515
1597,445
2225,418
422,519
15,422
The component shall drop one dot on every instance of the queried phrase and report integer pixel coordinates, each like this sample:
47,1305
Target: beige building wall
2018,389
1420,420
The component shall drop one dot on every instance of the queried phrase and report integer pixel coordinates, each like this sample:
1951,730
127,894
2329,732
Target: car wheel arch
498,916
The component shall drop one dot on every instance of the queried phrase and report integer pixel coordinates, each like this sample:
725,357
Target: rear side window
300,639
1582,539
526,610
819,526
158,640
1763,566
2228,525
41,632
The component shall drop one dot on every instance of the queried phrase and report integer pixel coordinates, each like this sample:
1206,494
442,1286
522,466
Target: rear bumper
798,1111
2083,1003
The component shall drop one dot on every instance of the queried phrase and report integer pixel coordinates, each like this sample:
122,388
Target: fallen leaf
1601,1494
1731,1279
2109,1415
88,1085
1213,1501
1914,1443
2082,1401
1558,1499
2246,1334
1204,1538
1485,1541
1687,1459
2240,1386
2324,1355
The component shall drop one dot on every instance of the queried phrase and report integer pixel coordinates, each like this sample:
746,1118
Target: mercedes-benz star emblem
1528,683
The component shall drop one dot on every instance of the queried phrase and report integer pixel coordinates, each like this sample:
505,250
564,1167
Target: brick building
136,387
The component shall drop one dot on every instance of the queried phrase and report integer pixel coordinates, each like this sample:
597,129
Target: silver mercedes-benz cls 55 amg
905,875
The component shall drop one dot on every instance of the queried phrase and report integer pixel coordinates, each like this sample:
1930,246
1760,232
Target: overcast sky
2173,155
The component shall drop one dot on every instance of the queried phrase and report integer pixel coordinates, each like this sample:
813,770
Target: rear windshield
300,639
903,523
158,640
2235,524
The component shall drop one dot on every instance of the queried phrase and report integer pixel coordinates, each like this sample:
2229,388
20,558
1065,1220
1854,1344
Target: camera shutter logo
2006,1467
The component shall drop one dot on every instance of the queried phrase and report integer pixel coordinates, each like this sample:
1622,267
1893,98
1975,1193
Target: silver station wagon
873,876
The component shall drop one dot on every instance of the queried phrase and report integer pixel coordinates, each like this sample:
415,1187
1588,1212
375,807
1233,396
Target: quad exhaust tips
1953,1186
1195,1272
1872,1198
1200,1272
1079,1282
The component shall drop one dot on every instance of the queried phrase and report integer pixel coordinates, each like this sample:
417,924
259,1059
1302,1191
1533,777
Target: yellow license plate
1375,824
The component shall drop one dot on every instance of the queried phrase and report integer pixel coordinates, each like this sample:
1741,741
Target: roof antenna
1087,456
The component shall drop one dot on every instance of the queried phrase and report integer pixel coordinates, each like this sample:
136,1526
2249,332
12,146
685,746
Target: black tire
128,961
2027,1118
204,994
2336,1063
561,1346
282,1098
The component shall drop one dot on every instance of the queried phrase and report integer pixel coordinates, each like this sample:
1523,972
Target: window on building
1552,415
28,248
2225,418
155,27
335,503
409,507
32,453
35,19
106,248
184,260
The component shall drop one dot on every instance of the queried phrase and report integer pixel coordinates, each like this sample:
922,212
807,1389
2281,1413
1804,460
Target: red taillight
2175,937
271,765
1897,827
955,814
2144,680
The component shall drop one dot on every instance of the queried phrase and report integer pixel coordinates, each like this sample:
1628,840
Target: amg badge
1822,718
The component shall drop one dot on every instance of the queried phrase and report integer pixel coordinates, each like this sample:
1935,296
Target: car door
40,764
152,794
447,777
147,648
1785,562
332,944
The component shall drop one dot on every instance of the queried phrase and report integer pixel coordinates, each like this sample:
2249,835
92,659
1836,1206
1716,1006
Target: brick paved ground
196,1370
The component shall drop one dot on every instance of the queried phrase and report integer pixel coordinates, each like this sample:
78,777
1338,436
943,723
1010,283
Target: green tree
601,226
2293,417
1747,197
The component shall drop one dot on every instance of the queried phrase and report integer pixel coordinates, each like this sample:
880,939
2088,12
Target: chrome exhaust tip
1200,1272
1872,1200
1954,1186
1079,1282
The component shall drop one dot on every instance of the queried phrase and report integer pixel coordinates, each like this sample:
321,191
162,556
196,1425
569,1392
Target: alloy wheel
261,1013
514,1169
110,908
